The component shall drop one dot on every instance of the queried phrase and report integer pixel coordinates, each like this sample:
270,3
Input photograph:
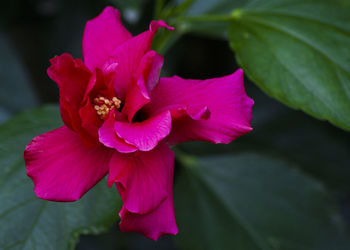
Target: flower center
103,105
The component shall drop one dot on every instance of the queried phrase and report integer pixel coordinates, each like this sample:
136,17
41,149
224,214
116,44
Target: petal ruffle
218,110
72,78
110,139
160,220
147,77
141,177
147,134
90,121
62,167
128,57
101,36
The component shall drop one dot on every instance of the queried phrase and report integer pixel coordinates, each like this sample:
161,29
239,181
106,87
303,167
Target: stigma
103,105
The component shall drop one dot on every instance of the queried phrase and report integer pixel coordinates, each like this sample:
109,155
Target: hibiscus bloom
120,119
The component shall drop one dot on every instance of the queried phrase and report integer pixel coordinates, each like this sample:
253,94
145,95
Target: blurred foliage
278,187
16,91
316,147
250,201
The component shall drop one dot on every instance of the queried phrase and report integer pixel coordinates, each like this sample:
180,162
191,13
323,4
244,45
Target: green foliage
206,8
250,201
27,222
316,147
15,88
297,51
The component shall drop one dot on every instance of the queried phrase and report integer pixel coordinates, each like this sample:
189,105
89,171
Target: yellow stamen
103,105
116,102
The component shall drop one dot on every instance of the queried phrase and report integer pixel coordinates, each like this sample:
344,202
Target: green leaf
299,53
27,222
250,201
296,51
316,147
16,92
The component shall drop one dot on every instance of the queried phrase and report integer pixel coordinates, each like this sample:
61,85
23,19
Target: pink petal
101,36
110,139
194,111
159,221
141,177
62,167
218,109
147,77
145,135
98,85
155,25
152,78
90,121
128,57
72,77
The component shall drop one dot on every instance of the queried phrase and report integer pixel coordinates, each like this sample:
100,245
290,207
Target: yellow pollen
103,105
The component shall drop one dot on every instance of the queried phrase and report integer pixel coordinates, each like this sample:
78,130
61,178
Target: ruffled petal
62,167
155,25
72,78
147,77
218,110
128,57
110,139
145,135
160,220
101,36
141,178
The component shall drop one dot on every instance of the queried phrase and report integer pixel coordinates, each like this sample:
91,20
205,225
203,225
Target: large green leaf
316,147
27,222
299,53
250,201
296,51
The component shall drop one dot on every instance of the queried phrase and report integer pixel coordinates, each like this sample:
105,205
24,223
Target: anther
103,105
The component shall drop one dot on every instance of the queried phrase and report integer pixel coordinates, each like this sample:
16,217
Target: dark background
38,30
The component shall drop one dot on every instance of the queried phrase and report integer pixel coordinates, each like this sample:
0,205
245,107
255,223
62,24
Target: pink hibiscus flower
120,119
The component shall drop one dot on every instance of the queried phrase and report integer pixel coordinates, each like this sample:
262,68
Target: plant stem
206,18
158,8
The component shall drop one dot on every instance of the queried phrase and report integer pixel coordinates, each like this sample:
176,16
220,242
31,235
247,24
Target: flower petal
161,220
101,36
141,177
128,57
218,110
145,135
110,139
147,77
72,77
155,25
62,167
